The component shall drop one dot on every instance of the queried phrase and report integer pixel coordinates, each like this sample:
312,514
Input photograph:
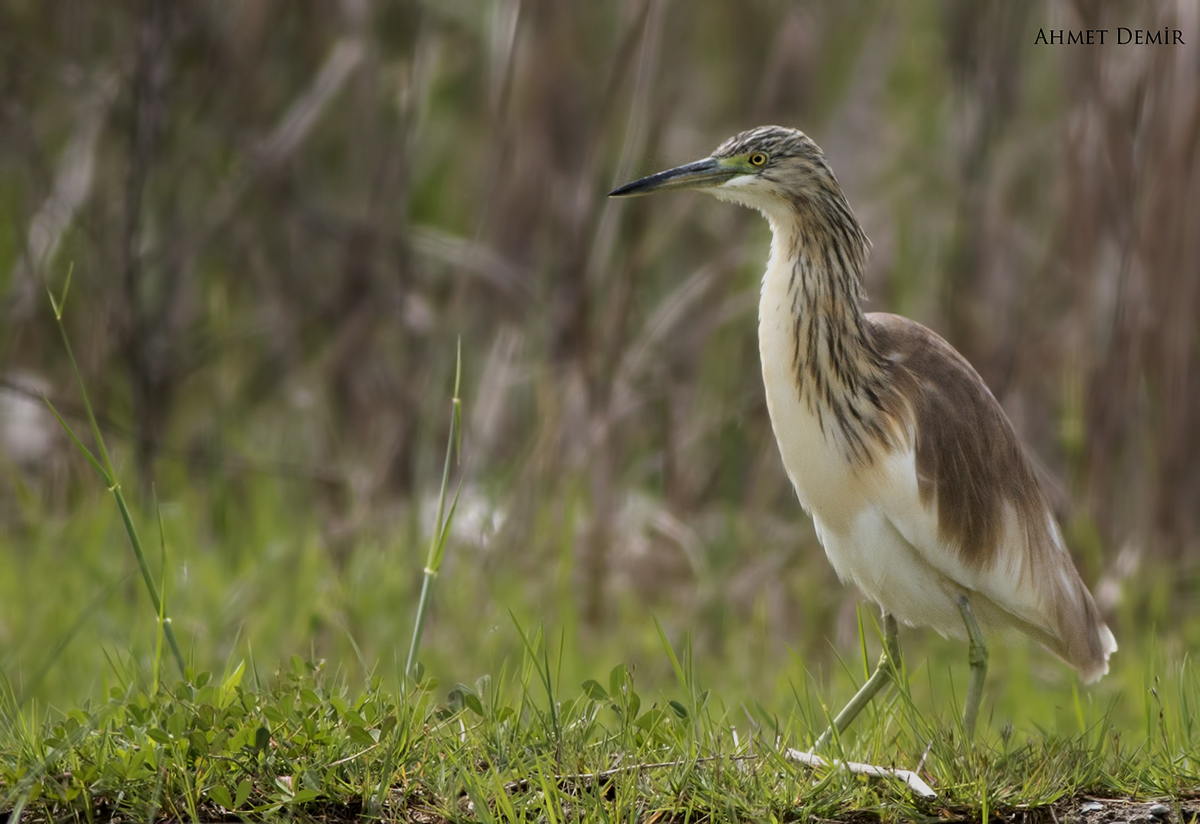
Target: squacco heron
919,489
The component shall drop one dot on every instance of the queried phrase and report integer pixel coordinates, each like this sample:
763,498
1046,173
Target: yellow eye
758,159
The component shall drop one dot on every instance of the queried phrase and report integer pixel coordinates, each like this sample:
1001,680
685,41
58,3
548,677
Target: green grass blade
87,453
443,521
105,468
148,578
87,403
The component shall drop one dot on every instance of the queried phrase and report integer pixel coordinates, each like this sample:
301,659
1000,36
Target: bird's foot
909,777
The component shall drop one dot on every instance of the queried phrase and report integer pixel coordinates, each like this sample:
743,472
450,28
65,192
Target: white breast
824,481
847,504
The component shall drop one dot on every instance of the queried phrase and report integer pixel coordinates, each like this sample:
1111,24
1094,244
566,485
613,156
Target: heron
919,488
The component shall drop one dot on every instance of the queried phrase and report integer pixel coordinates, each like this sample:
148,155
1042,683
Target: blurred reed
283,216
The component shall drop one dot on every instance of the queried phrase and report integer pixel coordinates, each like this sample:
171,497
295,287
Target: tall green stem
104,469
441,528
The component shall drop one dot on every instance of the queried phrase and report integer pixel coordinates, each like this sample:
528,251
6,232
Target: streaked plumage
918,486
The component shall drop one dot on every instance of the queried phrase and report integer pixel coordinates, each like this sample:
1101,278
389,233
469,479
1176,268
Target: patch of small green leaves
210,748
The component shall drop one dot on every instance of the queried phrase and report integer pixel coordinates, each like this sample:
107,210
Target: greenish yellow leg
977,655
886,670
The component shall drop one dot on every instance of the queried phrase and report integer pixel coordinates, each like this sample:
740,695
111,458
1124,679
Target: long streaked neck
817,260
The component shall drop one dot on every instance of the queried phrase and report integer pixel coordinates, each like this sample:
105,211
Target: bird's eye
758,159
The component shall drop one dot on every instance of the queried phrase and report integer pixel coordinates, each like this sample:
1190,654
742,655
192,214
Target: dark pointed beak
698,175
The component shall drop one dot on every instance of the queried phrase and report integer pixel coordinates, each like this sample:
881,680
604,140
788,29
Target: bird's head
773,169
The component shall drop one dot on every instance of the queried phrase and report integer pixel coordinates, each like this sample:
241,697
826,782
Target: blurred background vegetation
281,217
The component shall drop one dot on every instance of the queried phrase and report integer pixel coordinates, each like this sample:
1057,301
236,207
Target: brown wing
970,468
968,458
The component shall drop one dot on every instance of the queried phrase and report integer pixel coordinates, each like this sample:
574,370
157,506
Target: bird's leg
977,655
887,669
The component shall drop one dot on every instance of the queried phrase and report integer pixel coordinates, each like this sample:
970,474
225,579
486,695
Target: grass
521,746
539,700
536,718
